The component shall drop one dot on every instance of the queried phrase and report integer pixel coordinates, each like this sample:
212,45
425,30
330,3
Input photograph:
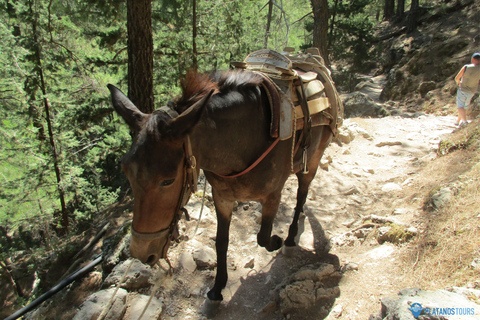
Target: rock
350,266
391,187
344,135
396,234
137,277
325,162
440,304
381,252
136,303
469,293
194,209
475,263
388,143
96,303
250,264
438,199
186,262
116,249
336,311
205,258
306,287
358,104
425,87
351,190
400,211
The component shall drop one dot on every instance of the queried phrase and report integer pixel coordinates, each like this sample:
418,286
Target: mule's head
155,167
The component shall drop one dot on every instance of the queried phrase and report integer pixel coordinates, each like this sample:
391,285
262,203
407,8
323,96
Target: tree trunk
48,119
140,54
320,28
332,22
389,9
412,17
269,21
400,9
194,35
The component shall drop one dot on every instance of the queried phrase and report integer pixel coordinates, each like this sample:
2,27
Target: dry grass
450,240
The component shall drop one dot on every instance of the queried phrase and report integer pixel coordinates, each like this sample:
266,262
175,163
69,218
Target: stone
388,143
311,286
250,264
186,262
98,301
475,263
439,198
194,208
205,258
444,305
350,266
336,311
425,87
136,304
137,277
351,190
358,104
391,187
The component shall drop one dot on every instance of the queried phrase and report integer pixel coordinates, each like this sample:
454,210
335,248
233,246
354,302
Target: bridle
189,186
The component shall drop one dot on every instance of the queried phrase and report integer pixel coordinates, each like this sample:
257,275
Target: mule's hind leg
304,181
269,210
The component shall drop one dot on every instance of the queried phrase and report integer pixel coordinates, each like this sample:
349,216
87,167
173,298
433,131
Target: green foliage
351,35
66,52
49,51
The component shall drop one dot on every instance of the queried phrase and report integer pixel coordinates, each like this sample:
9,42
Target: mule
223,122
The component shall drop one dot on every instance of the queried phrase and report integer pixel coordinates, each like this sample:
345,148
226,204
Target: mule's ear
125,108
185,122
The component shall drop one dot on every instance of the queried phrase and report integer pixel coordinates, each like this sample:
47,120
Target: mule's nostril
152,259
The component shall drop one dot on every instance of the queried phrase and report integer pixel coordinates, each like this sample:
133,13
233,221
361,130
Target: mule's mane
196,85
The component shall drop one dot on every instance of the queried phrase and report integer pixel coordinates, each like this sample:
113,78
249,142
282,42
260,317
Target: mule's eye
166,183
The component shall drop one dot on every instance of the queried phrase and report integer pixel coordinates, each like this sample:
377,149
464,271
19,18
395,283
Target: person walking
467,79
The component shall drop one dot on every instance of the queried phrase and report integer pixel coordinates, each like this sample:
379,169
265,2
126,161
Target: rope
201,209
293,138
155,287
110,302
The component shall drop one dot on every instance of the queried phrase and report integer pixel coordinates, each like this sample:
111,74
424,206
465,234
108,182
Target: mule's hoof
288,250
210,308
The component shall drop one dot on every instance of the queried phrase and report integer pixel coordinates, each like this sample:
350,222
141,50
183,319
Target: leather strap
253,165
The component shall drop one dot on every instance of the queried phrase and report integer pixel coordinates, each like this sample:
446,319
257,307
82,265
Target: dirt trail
373,174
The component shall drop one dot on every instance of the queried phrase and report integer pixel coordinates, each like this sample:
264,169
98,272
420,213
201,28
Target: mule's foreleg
269,210
224,216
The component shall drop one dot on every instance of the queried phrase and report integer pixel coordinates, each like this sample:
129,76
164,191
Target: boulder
205,258
137,277
425,87
97,302
358,104
311,286
136,305
416,303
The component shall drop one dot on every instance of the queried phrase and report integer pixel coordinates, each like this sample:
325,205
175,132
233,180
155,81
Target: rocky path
369,176
366,178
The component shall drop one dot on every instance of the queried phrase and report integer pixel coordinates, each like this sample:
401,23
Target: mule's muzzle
150,247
